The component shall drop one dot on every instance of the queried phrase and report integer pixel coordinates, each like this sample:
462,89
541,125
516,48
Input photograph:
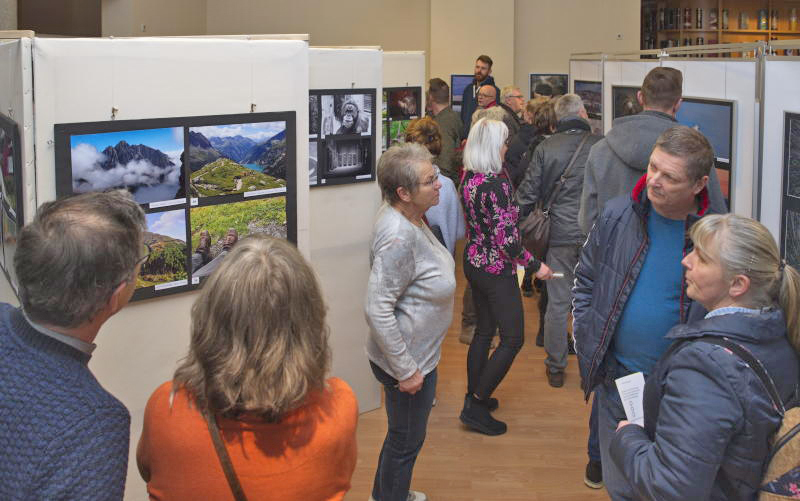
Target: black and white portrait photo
347,114
347,157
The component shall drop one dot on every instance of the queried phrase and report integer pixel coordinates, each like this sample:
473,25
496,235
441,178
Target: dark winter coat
607,270
517,149
708,435
549,161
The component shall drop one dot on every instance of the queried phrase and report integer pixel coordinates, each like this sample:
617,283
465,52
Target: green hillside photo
225,177
167,261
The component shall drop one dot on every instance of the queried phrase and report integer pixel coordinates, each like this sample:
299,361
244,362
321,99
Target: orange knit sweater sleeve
310,454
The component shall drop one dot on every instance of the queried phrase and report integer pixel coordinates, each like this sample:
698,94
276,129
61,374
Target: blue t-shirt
653,307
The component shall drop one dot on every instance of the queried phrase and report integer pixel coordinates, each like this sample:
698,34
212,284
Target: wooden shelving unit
680,23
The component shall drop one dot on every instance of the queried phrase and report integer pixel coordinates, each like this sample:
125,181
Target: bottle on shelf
698,18
661,18
744,21
724,19
774,20
793,20
687,18
762,19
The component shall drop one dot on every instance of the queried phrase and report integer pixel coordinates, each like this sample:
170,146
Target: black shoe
594,475
540,338
570,345
475,415
492,402
527,291
556,379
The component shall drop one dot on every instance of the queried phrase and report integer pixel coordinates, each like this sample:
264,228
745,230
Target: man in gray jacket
621,158
548,166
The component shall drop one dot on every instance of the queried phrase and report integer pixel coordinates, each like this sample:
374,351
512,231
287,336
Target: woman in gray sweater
409,307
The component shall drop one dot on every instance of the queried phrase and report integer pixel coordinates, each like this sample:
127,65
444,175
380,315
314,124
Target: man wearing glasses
513,102
63,435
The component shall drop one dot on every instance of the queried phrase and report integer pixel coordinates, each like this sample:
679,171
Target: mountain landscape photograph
238,158
145,162
166,236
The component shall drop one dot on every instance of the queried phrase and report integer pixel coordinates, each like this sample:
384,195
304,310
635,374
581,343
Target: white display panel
584,70
341,227
82,80
780,90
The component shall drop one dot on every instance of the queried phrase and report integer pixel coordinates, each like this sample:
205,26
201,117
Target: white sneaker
412,496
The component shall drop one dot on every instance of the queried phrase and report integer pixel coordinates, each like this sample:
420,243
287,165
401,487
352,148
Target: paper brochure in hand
631,392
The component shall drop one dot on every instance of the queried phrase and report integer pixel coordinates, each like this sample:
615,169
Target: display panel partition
457,85
204,183
342,134
557,84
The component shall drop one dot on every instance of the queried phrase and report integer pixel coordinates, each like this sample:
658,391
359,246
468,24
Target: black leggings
498,304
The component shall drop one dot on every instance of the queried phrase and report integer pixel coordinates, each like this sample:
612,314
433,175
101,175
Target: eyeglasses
147,251
518,97
432,180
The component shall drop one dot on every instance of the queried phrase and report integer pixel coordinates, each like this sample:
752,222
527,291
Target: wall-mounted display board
400,106
457,85
716,120
342,134
557,84
204,183
790,221
624,101
10,194
592,95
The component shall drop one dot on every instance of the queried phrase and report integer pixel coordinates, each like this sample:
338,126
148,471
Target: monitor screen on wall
203,182
457,85
714,118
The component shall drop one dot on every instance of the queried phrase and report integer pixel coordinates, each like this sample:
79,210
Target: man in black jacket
469,102
550,161
629,284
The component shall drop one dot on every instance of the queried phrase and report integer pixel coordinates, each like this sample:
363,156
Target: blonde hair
482,152
745,247
259,342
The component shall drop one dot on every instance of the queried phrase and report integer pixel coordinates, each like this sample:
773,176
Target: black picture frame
790,190
624,101
10,137
394,121
282,146
329,135
558,82
591,93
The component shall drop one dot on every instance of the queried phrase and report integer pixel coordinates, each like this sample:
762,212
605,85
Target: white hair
482,152
568,104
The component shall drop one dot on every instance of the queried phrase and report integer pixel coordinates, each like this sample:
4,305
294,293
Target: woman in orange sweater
256,370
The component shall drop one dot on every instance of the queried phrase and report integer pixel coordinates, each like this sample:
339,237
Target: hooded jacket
469,101
607,270
617,161
711,418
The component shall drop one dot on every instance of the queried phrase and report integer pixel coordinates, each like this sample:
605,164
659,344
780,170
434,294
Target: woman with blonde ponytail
708,418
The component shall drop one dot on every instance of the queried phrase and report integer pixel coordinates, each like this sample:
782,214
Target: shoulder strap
563,179
224,459
753,363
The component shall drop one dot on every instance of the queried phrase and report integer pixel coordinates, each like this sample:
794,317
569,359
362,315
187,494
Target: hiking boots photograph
476,415
594,475
231,237
204,246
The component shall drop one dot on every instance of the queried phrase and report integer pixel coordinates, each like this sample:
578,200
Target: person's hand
412,384
623,424
544,273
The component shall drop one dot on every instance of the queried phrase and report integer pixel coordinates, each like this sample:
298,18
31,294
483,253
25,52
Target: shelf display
790,231
557,84
592,95
174,167
10,193
714,119
345,142
457,85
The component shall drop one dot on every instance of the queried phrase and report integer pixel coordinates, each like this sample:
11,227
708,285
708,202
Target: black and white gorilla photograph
347,158
347,114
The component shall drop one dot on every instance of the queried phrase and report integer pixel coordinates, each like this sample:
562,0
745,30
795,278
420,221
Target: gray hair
482,152
493,113
743,246
75,253
691,146
507,91
397,168
568,105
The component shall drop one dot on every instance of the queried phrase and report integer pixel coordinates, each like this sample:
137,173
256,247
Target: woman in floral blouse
491,256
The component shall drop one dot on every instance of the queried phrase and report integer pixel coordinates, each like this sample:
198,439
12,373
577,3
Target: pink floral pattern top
493,240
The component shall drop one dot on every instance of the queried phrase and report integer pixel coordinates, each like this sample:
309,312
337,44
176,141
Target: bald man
487,96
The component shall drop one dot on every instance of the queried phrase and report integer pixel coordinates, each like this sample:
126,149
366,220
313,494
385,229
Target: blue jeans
593,446
408,421
609,413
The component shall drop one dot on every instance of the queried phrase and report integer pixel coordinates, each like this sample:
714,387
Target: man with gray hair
629,284
63,435
547,174
513,102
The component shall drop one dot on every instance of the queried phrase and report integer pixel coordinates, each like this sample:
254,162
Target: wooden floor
541,457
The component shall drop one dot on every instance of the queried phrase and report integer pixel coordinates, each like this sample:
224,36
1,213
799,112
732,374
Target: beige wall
548,31
461,30
392,25
159,17
8,14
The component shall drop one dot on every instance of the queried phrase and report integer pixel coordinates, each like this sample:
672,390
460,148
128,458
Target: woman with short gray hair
409,306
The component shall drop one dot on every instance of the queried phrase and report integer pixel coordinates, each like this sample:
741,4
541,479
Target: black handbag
535,228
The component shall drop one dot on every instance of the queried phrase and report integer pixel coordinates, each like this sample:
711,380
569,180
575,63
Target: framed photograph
404,103
313,116
457,85
11,168
715,119
592,95
344,151
624,101
174,167
548,84
397,131
9,233
790,203
313,154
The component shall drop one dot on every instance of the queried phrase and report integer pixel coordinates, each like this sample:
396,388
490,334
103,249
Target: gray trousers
609,413
562,258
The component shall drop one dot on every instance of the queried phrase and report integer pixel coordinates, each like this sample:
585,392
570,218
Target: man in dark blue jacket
629,287
469,100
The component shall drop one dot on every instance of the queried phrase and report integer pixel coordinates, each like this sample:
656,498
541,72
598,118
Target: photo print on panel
174,167
549,84
457,85
624,101
591,94
403,104
344,150
10,193
790,203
